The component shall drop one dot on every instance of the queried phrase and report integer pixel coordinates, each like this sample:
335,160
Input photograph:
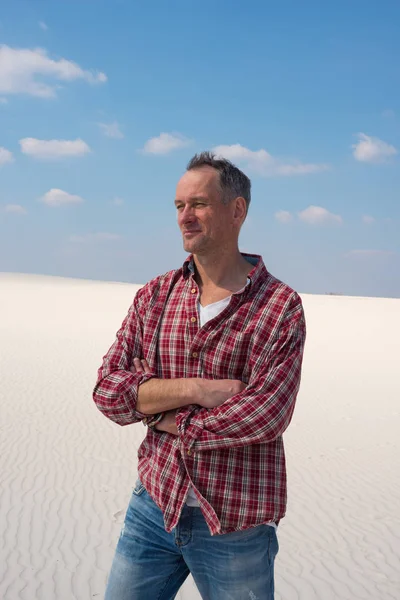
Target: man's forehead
203,177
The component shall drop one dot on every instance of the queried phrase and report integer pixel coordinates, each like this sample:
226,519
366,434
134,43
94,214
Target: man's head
212,200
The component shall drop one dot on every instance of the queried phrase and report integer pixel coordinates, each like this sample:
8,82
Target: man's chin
195,250
191,246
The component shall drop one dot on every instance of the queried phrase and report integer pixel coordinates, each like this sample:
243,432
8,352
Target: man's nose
187,215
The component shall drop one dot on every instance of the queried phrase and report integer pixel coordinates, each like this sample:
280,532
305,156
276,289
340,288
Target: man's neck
225,271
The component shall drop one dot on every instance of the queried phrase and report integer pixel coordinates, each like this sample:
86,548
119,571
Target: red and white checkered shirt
233,454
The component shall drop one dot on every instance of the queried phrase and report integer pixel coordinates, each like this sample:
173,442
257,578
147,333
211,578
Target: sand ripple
67,473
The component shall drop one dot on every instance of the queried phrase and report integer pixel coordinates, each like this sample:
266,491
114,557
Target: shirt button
189,452
193,319
193,290
195,354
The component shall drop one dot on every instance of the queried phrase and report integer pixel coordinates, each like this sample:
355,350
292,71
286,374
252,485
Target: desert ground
67,472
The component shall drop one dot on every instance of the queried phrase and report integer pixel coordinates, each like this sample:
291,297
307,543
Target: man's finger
145,365
138,365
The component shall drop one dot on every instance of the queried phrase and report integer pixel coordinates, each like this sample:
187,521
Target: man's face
205,222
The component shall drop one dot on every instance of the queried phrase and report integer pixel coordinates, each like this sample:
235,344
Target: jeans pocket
138,488
273,543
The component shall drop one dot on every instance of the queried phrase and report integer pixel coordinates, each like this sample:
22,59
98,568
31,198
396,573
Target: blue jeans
151,564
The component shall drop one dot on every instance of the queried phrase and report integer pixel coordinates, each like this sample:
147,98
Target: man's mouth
190,233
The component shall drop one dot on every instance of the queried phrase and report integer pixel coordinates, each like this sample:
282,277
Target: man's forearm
159,395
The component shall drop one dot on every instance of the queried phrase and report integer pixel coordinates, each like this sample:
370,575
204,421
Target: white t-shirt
206,314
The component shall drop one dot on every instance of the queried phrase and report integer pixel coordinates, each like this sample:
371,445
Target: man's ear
240,209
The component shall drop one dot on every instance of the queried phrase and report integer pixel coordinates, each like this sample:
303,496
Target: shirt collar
257,275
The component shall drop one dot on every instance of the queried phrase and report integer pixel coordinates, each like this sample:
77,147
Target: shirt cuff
189,424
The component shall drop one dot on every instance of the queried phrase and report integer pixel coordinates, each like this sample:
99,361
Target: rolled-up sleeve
116,390
263,410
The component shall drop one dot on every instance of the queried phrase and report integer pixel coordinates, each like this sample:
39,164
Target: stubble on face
199,191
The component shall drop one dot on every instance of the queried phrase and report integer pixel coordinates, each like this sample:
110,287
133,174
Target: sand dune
67,472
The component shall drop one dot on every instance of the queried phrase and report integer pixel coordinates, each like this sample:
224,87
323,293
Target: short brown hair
234,183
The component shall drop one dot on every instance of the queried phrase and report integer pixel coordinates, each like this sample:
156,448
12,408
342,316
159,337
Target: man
209,359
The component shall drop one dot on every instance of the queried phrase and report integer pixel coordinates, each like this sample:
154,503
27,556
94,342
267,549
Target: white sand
67,472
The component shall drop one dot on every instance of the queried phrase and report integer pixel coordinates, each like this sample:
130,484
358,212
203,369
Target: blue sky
102,103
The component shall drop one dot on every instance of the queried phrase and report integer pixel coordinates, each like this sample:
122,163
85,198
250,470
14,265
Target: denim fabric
151,564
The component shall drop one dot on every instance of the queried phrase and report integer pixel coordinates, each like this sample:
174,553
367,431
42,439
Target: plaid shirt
233,454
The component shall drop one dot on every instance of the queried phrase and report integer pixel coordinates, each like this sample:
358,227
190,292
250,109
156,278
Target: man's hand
214,392
140,366
168,423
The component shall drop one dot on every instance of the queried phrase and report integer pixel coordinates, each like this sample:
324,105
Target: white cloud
367,220
265,164
165,143
111,130
388,113
117,201
89,238
3,101
316,215
25,71
313,215
15,208
53,149
283,216
364,254
56,197
5,156
43,25
371,149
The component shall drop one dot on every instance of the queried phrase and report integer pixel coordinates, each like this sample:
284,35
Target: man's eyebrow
194,199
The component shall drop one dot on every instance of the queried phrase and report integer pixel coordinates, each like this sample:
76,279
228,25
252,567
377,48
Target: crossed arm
210,414
261,411
127,391
168,396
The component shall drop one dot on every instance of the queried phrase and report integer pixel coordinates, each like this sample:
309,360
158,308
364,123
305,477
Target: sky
103,103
